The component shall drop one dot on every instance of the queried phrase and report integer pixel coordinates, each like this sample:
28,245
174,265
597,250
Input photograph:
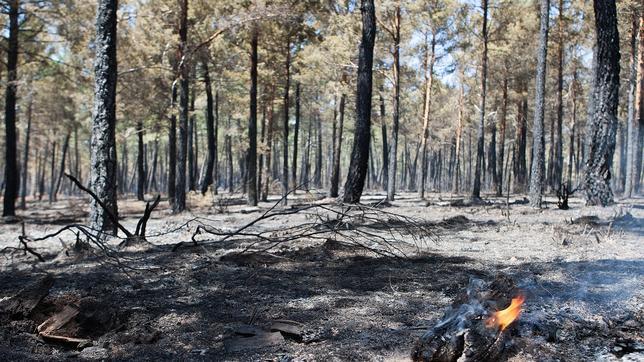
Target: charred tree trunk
459,136
63,160
362,134
639,110
476,188
337,139
229,159
558,142
430,57
385,146
317,177
52,173
491,153
538,143
103,145
285,182
393,152
25,155
501,148
252,125
152,181
296,134
11,174
140,169
179,204
634,109
269,146
602,122
210,133
172,148
191,145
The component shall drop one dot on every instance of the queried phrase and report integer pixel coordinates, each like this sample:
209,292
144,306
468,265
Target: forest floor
582,271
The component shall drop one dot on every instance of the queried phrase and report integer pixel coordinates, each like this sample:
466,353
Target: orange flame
504,318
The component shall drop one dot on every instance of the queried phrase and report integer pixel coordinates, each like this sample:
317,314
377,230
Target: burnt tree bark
211,157
502,128
393,152
430,57
602,122
285,124
12,176
179,204
103,144
172,147
538,143
385,146
269,145
25,155
140,169
362,134
337,148
557,171
317,176
191,145
63,160
296,133
251,184
476,188
634,109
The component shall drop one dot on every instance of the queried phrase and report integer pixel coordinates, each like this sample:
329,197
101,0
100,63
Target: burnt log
468,331
27,299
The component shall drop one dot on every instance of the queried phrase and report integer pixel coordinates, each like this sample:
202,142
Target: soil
581,270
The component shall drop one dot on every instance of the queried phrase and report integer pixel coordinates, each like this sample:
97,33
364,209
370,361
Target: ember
505,317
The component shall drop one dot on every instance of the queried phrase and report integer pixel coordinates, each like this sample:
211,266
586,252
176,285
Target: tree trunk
459,135
602,122
634,110
152,181
521,170
491,153
393,152
476,188
140,169
317,177
52,173
25,155
229,159
252,125
285,182
430,57
63,160
12,176
538,143
558,142
172,148
337,139
191,145
385,146
362,134
296,132
103,143
179,204
501,149
210,133
269,146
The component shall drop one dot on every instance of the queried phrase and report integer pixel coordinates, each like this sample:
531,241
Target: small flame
504,318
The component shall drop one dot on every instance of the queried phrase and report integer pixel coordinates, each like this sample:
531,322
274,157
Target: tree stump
467,331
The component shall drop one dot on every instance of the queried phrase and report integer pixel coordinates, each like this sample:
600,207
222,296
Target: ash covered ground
582,272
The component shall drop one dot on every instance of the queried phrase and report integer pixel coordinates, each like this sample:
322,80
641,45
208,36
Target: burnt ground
582,271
